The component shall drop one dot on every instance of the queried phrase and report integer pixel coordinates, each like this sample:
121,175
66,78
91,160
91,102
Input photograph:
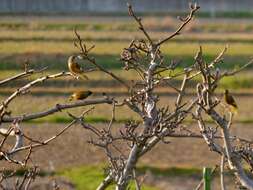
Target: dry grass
123,24
65,35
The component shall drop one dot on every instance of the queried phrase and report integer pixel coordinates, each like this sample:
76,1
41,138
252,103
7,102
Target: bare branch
233,161
26,88
57,108
193,9
180,94
45,142
138,20
85,55
21,75
105,183
222,182
237,70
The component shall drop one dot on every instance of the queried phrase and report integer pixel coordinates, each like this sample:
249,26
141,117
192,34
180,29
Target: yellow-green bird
230,102
80,95
75,68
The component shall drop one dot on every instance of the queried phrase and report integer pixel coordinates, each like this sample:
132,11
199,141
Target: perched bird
231,102
75,68
80,95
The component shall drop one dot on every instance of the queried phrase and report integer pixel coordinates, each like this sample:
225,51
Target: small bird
75,68
231,102
80,95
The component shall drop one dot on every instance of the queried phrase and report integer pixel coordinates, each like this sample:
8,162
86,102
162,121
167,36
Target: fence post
207,178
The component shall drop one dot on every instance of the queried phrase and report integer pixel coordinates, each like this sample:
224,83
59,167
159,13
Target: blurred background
41,32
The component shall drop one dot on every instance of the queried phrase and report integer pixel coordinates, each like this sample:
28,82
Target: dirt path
71,149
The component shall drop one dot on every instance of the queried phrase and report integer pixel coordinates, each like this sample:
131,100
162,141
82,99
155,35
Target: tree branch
57,108
21,75
193,9
233,160
25,88
105,183
222,182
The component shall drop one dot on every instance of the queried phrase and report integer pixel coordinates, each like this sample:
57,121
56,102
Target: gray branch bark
57,108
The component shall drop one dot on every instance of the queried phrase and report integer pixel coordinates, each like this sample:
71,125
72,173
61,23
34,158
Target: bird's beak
80,57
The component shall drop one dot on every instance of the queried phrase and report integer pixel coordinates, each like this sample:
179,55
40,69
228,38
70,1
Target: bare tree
25,143
125,146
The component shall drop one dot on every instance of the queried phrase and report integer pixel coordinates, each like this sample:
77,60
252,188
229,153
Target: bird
75,68
80,95
230,102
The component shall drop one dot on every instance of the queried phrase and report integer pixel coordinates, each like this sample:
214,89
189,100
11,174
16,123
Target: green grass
89,177
170,172
14,25
227,14
103,119
95,26
22,171
242,80
115,48
88,119
112,62
237,82
203,14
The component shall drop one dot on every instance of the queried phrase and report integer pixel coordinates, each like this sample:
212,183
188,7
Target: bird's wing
77,68
231,101
83,95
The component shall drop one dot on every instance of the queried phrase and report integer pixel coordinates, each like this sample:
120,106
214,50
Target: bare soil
71,149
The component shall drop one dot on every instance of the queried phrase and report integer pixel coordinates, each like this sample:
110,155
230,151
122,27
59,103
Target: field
48,41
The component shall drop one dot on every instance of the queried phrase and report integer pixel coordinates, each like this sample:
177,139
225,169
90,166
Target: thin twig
26,88
22,75
193,9
138,20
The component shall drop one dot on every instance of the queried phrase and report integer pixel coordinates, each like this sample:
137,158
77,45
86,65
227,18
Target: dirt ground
71,149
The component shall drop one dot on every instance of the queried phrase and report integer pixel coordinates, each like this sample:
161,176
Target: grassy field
90,177
48,41
154,23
